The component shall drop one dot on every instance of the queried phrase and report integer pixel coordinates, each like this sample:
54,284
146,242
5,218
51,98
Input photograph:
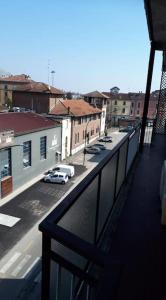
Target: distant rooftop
74,108
96,94
30,122
39,87
23,78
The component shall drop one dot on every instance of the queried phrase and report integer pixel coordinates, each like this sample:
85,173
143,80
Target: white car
56,177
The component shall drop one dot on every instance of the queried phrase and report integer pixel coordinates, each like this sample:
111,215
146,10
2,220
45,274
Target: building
85,121
118,106
7,85
65,122
30,144
37,96
128,106
99,100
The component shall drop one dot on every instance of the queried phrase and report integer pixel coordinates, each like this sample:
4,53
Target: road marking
31,266
7,220
38,278
28,246
10,262
21,265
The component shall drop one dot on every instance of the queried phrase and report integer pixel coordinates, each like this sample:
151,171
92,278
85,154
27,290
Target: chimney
68,110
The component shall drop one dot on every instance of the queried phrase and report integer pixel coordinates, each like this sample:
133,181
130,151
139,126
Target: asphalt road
30,206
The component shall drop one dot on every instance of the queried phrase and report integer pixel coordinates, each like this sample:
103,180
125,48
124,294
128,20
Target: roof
96,94
16,78
131,96
75,108
155,13
38,87
23,123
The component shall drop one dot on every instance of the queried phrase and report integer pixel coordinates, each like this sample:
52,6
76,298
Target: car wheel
47,180
63,182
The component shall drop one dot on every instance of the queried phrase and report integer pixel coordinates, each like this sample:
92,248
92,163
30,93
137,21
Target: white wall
66,133
102,126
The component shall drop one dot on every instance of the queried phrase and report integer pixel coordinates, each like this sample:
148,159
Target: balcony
105,240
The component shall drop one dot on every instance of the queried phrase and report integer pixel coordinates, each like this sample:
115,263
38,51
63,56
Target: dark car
100,146
126,129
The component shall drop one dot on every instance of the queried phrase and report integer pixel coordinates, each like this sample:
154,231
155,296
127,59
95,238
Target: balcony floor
140,241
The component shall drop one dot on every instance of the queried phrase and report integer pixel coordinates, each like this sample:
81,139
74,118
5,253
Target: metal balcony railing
72,258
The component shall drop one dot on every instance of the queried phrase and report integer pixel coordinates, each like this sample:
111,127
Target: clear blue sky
91,44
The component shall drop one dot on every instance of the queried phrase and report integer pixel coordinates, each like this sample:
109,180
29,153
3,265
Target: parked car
92,150
69,170
56,177
106,139
126,129
100,146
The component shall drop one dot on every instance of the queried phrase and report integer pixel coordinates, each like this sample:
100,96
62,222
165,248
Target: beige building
118,106
7,85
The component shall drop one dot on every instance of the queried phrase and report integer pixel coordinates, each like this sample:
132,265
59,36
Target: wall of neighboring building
38,102
79,127
6,92
21,174
66,137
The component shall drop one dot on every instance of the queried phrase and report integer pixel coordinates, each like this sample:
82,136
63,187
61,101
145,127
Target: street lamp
85,140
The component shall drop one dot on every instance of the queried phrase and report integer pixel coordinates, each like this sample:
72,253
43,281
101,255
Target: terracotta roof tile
39,87
23,123
75,108
96,94
17,78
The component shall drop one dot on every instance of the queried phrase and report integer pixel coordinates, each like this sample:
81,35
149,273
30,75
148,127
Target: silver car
56,177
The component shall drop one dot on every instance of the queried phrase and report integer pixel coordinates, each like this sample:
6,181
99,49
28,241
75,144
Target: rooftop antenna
52,75
48,72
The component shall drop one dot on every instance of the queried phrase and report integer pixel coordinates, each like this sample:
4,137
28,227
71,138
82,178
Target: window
115,102
83,135
78,137
79,121
5,163
27,154
43,145
132,104
137,112
5,94
131,112
5,86
123,110
94,117
124,102
75,138
138,104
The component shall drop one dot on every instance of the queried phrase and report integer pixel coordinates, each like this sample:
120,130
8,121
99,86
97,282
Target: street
20,266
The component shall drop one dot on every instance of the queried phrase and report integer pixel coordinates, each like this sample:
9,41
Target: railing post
147,95
116,175
97,207
46,264
127,156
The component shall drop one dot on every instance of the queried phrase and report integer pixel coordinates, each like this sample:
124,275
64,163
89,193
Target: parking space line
13,259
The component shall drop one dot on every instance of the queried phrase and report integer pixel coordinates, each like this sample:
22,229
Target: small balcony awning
156,19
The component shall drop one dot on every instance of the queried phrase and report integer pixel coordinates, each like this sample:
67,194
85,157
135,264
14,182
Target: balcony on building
107,239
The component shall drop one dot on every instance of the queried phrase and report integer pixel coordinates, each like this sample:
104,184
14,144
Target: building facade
99,100
7,85
85,122
36,147
65,122
37,96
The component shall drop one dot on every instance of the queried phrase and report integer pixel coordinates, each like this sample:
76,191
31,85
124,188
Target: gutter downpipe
147,95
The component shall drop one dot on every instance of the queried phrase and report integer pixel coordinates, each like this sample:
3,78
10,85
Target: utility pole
52,76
